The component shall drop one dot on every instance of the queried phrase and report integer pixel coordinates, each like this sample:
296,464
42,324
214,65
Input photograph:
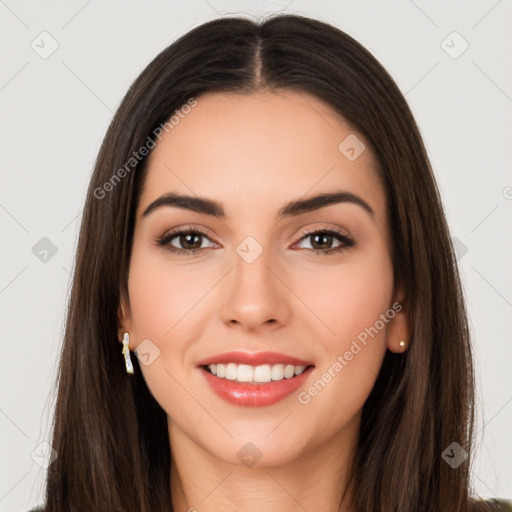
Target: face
312,283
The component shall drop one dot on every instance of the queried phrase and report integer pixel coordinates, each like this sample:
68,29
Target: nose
256,299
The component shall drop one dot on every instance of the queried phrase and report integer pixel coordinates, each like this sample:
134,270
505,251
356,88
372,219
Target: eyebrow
293,208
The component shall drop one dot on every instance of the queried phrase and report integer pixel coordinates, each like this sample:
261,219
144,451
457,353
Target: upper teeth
263,373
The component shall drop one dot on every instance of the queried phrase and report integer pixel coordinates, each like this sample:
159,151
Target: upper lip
253,359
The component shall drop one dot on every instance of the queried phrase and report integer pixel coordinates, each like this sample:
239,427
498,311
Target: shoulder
493,505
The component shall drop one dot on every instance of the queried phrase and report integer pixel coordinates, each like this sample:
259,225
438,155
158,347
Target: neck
314,480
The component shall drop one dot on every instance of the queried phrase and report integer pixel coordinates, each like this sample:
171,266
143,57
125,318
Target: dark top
494,506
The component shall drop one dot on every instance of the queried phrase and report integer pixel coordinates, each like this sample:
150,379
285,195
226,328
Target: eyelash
347,242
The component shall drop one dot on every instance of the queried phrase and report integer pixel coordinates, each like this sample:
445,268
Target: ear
398,328
123,318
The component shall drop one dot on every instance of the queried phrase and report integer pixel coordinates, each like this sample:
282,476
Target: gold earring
126,353
402,344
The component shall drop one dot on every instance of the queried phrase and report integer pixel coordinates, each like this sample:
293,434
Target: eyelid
187,228
323,228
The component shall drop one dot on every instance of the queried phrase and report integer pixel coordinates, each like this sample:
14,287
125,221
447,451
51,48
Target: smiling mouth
258,375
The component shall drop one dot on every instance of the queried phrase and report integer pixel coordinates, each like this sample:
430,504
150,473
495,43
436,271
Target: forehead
255,152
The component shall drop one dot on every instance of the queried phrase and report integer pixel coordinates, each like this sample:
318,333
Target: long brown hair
109,432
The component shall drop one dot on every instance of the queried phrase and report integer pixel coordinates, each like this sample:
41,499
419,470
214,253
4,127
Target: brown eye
187,241
190,241
322,240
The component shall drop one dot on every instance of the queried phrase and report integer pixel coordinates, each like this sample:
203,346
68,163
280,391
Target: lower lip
255,395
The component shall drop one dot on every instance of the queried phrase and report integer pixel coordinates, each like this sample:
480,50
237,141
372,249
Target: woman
266,310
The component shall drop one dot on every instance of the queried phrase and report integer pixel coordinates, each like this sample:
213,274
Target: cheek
161,296
353,304
169,306
350,298
350,359
159,302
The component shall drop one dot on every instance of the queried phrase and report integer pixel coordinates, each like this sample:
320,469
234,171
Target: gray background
54,112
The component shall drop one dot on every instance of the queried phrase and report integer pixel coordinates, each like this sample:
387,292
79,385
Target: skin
253,154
